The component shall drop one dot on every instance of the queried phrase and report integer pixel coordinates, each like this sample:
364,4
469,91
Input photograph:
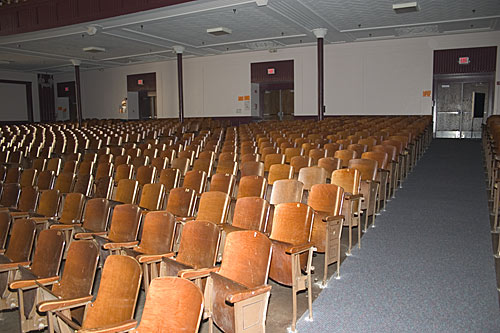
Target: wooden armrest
246,294
299,248
28,284
89,235
41,219
110,246
336,219
353,196
121,327
197,273
64,304
12,266
65,226
150,258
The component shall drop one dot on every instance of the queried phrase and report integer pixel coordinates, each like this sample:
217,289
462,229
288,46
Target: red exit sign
271,71
140,82
66,88
464,60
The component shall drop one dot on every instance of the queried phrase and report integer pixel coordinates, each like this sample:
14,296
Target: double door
461,105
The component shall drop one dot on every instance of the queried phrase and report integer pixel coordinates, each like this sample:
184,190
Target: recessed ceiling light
94,49
406,7
219,31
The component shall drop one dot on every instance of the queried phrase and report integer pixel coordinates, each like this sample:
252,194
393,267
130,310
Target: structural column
76,63
179,50
320,34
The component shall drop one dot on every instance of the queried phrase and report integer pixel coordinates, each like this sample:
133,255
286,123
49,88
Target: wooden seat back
311,176
345,156
72,208
227,166
127,191
157,233
117,295
252,168
21,240
104,170
28,177
125,223
252,186
184,302
170,178
84,184
181,201
246,258
286,190
48,253
199,244
124,171
65,182
251,213
223,183
380,157
10,195
152,196
330,164
13,175
103,187
181,163
214,207
299,162
280,171
292,223
49,203
146,174
367,168
196,180
96,215
46,180
348,179
28,199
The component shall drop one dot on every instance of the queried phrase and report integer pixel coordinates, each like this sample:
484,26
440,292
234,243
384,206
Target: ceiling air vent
406,7
220,31
94,49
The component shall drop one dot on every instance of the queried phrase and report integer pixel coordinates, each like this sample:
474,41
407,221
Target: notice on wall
426,93
243,104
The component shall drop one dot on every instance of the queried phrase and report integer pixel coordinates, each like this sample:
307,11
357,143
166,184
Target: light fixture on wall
406,7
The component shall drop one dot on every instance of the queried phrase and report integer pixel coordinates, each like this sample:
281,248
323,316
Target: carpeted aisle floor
428,264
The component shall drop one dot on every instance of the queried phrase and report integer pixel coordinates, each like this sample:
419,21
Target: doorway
141,96
66,101
463,91
277,101
462,104
273,90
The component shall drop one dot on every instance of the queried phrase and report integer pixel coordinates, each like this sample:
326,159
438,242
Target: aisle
428,264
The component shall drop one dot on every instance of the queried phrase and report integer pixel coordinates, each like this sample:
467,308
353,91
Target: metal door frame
462,78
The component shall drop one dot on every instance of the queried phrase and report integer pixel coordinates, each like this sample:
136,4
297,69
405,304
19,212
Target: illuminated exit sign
463,61
140,82
271,71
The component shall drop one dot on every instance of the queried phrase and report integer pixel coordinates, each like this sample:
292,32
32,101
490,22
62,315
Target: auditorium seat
112,306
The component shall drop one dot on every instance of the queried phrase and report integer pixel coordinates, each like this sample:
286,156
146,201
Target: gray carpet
428,264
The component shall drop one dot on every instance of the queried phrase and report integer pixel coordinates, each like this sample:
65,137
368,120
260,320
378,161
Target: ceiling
150,36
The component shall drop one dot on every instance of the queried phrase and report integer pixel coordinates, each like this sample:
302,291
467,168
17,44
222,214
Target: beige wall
13,97
364,78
